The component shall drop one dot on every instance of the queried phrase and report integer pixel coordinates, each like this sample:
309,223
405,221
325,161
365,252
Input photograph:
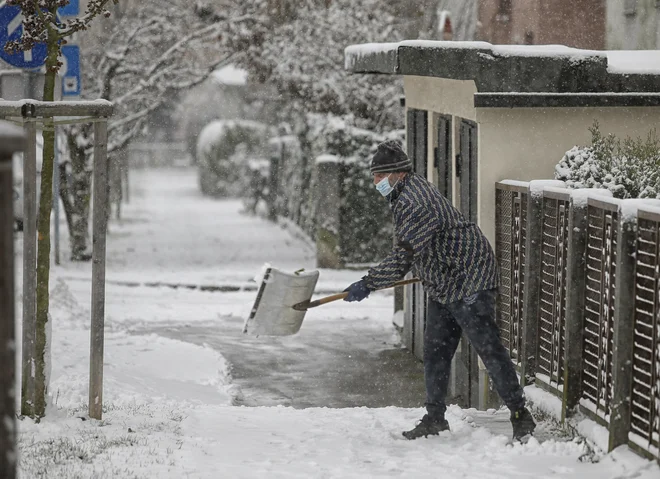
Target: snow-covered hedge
629,168
366,221
290,185
226,151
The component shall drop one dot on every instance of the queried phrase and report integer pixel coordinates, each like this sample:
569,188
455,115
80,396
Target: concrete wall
450,97
527,143
576,23
638,31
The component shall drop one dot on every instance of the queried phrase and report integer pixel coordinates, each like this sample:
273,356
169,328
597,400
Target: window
630,7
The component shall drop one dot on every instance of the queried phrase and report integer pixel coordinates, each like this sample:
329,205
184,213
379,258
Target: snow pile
150,383
361,442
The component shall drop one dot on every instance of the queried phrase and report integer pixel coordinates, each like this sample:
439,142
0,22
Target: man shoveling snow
458,270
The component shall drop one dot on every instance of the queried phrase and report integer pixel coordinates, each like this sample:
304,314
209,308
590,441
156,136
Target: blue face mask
384,187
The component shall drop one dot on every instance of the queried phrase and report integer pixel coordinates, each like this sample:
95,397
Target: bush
224,148
629,168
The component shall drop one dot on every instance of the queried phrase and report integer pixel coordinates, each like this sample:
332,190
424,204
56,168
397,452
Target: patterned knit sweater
448,253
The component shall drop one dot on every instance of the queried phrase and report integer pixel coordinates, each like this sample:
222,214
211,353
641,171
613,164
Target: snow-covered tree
302,55
142,56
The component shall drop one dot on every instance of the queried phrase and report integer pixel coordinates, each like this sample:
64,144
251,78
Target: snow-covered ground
169,405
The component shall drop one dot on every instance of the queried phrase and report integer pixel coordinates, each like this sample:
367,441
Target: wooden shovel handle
329,299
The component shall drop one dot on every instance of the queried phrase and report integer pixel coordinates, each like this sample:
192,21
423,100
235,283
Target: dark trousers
474,315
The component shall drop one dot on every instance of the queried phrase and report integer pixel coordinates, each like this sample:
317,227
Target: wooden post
624,321
11,140
575,294
100,208
29,268
532,286
328,201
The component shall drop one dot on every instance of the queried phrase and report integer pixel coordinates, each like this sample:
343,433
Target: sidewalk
177,366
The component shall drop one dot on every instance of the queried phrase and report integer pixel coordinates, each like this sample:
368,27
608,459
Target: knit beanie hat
390,158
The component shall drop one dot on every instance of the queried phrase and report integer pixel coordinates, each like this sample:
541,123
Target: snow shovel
283,299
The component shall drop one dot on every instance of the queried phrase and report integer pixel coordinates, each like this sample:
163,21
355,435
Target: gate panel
645,397
552,324
510,239
603,223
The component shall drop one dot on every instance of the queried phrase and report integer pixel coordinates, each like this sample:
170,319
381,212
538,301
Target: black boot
523,424
428,426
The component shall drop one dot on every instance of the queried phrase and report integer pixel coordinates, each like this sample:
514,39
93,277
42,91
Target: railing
511,229
645,395
589,331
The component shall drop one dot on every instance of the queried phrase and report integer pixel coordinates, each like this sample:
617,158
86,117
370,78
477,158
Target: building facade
574,23
633,24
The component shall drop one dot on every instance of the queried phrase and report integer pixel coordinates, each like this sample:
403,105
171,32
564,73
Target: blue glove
357,291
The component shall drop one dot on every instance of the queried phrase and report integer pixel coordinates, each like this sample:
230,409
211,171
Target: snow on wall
536,187
630,206
581,196
521,184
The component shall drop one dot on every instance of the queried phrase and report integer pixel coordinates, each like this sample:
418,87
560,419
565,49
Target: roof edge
565,100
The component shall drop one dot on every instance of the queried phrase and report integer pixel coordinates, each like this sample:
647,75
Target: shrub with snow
225,149
629,168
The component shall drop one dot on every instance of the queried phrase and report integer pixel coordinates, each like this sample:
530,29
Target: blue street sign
71,10
71,69
11,28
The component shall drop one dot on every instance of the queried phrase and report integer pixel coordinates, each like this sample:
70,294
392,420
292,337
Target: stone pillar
11,140
328,202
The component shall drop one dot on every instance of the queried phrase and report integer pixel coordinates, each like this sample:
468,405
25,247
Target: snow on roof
543,51
230,75
353,53
634,62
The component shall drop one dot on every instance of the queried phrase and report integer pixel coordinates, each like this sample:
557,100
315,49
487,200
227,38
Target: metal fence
511,234
645,395
552,307
602,229
589,331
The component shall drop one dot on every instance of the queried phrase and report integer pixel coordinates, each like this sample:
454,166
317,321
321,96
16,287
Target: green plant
629,168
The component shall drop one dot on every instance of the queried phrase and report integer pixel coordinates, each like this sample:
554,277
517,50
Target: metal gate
552,307
645,398
602,229
510,239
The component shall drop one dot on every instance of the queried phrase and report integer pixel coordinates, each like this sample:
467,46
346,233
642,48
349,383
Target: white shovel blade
273,313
